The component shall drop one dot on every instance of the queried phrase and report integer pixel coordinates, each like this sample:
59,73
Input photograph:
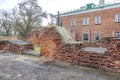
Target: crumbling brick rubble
52,45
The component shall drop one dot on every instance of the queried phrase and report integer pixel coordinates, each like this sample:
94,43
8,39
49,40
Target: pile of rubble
15,45
61,47
111,43
33,38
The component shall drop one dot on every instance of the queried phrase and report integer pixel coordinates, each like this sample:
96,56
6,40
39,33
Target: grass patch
37,48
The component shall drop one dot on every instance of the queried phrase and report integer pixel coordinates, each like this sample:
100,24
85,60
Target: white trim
117,17
87,11
97,20
86,21
117,34
113,33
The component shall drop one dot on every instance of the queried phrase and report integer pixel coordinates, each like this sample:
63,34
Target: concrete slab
31,52
95,49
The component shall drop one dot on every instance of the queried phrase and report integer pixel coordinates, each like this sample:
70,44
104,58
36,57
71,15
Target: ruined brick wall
111,43
7,46
33,37
50,41
2,44
107,28
71,31
52,46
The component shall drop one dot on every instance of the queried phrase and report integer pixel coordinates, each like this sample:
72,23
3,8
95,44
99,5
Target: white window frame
73,23
98,35
88,37
86,21
117,18
97,20
117,34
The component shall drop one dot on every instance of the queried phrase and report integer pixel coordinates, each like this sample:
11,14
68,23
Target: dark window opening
71,31
37,36
97,36
85,37
73,23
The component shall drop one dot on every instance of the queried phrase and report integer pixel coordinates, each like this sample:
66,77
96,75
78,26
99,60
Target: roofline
98,8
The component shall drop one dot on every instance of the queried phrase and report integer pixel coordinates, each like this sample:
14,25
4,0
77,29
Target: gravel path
23,67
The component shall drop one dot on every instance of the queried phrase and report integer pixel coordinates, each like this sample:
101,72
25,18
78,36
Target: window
37,36
97,20
85,37
86,21
117,34
73,23
117,18
97,36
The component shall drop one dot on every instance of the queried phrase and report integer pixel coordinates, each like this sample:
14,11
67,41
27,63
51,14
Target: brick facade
107,28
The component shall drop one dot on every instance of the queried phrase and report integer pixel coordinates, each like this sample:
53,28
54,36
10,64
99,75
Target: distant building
93,22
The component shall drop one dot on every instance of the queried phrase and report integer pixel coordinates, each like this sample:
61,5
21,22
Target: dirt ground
23,67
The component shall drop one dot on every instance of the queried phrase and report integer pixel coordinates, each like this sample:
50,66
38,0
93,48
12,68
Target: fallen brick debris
53,45
15,45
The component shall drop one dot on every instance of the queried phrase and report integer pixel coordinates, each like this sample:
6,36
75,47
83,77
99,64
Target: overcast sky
52,6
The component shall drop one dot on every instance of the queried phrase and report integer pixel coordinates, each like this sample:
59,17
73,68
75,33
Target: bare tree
28,16
6,21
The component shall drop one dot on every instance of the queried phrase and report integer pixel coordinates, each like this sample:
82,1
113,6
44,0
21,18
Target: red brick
107,28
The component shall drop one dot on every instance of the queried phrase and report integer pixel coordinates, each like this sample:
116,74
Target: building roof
90,8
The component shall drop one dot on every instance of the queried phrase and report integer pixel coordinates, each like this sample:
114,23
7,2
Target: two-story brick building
93,22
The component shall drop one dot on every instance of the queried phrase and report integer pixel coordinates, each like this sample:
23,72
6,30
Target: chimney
101,2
